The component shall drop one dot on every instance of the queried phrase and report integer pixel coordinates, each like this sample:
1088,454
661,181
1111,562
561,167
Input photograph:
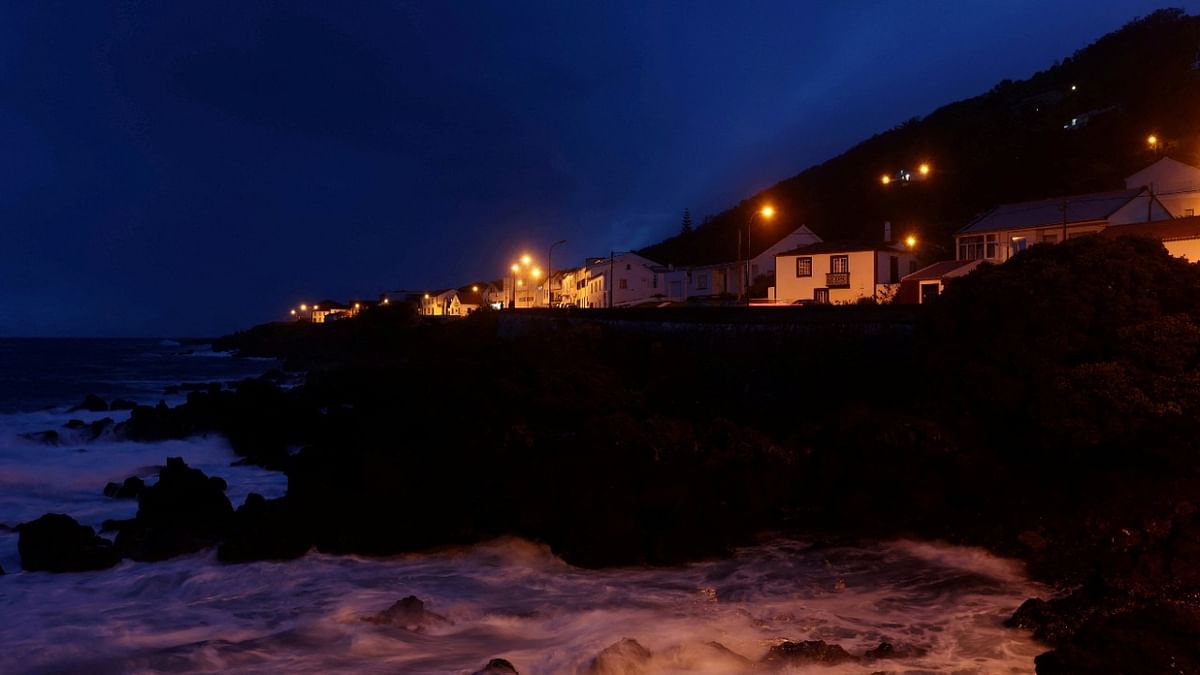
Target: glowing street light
1152,141
525,260
767,212
924,169
293,312
886,179
303,308
910,241
537,272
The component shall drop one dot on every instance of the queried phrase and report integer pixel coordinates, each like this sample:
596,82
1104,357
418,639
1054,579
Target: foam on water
515,600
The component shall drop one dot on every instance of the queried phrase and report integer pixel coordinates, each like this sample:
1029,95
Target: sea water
509,599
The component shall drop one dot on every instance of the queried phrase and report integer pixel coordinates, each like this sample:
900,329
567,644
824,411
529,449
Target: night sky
190,168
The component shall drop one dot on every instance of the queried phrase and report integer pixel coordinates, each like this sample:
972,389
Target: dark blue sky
190,168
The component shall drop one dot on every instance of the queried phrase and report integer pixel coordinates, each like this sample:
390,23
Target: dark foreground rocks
91,403
497,667
183,512
56,543
265,529
409,614
129,489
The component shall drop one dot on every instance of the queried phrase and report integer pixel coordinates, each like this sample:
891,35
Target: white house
618,281
1175,184
1009,229
1180,236
841,272
441,303
763,264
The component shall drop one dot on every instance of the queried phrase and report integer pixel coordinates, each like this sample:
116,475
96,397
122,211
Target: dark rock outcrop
91,403
887,650
57,543
627,657
265,530
75,424
130,489
121,404
1159,638
97,428
497,667
807,652
48,437
410,614
183,512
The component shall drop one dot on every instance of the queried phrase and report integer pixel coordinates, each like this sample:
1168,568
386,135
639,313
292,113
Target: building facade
841,272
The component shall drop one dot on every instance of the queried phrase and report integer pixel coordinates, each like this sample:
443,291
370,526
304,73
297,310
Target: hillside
1006,145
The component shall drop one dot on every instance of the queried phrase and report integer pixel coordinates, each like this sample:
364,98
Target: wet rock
410,614
497,667
887,650
75,424
130,489
57,543
1160,638
115,524
98,427
92,403
48,437
121,404
265,530
807,652
183,512
627,657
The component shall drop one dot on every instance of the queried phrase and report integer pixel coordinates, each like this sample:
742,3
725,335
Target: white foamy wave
513,599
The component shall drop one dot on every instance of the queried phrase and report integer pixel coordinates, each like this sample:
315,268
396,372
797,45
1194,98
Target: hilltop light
474,289
1152,140
910,241
315,308
293,312
886,179
303,308
426,296
357,306
924,169
386,301
767,211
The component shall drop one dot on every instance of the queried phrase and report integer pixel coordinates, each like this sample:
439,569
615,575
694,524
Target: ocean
508,598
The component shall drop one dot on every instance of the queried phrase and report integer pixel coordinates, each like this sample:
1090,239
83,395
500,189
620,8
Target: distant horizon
198,169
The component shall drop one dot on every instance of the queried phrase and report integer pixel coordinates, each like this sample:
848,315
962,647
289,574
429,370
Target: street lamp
767,212
550,272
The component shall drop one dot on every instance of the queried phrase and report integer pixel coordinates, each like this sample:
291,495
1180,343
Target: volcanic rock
57,543
183,512
265,530
121,404
48,437
410,614
130,489
627,657
92,403
807,652
497,667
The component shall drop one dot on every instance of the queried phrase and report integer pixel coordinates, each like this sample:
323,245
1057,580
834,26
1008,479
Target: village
800,268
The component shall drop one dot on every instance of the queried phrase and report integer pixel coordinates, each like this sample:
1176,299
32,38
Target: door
929,293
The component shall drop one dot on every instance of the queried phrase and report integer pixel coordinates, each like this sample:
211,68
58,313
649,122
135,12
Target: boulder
497,667
121,404
56,543
265,530
97,428
816,652
887,650
92,403
48,437
1160,638
410,614
75,424
130,489
627,657
183,512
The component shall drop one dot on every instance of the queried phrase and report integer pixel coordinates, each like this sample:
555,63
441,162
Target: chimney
887,230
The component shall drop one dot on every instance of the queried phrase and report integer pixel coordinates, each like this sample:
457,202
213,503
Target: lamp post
550,272
766,212
512,304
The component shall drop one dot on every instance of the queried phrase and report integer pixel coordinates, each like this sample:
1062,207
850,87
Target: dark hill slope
1006,145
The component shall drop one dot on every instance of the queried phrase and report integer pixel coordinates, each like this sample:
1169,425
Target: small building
1175,184
763,264
927,283
1009,229
841,272
441,303
328,310
1180,236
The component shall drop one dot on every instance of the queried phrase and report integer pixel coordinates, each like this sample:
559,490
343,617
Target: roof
1097,206
943,269
844,247
1163,230
330,304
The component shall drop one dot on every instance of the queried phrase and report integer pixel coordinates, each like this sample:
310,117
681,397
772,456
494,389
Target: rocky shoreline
1053,422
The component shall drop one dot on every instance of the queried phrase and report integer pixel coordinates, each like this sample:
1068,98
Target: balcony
837,280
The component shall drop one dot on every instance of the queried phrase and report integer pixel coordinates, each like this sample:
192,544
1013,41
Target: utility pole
611,257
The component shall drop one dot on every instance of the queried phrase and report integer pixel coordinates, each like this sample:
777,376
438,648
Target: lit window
839,264
804,267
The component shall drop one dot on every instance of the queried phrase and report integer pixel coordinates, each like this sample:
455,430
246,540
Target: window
977,246
839,263
1019,244
1050,238
989,241
821,295
701,282
628,266
804,267
622,284
893,269
1188,213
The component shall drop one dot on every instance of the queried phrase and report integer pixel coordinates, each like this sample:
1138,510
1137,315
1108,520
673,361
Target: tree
685,228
